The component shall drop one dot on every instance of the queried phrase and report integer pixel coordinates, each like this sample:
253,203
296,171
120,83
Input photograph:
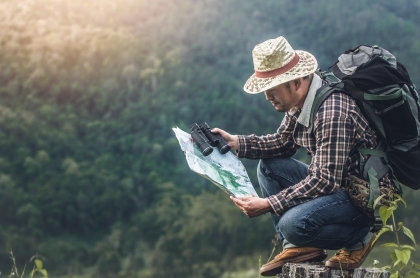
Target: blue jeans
328,222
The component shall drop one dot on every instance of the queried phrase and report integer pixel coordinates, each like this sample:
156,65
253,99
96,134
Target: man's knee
292,227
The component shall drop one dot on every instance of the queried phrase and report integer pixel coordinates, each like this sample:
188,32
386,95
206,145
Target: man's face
282,97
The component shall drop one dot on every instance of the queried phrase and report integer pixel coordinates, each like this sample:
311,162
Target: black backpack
385,94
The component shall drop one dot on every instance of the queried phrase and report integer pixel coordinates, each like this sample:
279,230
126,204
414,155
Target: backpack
384,92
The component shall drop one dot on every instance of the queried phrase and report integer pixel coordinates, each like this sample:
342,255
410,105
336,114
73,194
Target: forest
91,175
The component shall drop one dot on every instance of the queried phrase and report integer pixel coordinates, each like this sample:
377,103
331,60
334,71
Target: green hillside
91,175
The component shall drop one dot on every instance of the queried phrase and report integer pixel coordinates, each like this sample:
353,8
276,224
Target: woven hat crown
275,63
272,54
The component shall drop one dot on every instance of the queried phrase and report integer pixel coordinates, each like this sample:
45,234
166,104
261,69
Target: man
309,206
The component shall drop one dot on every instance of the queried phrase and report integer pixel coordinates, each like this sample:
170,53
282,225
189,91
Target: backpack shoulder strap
321,95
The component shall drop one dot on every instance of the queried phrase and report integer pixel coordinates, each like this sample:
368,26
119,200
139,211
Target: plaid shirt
339,129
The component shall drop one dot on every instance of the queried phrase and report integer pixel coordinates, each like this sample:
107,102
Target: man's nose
267,96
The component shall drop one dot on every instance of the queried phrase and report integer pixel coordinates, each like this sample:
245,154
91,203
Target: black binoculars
205,139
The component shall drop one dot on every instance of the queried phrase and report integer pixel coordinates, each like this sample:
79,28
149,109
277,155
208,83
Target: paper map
224,170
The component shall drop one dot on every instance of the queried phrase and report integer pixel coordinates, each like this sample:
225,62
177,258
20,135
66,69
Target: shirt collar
305,115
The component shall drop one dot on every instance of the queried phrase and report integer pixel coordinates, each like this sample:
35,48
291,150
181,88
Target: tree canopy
91,174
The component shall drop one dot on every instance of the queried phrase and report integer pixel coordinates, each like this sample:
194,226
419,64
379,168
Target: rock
316,270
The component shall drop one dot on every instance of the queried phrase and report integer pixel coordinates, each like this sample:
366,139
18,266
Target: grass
247,267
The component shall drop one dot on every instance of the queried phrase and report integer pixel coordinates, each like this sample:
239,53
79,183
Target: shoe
293,255
350,259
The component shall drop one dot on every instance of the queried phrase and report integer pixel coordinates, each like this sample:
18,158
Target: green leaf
390,244
394,275
38,264
417,266
390,227
387,267
384,213
381,232
396,263
377,200
393,206
408,233
399,198
408,247
44,273
403,256
393,256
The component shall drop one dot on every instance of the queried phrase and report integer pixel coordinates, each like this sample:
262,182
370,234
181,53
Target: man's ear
297,83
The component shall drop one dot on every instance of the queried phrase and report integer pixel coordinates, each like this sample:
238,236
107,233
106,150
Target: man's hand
252,206
232,140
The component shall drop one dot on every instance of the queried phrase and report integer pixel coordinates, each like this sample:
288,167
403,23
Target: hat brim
307,64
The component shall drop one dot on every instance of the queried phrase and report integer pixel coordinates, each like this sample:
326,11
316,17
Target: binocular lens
224,148
207,151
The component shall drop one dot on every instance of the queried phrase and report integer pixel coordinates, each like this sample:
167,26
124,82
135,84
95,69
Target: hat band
273,73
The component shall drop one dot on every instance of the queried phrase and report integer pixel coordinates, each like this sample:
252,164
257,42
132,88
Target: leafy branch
38,267
37,270
400,253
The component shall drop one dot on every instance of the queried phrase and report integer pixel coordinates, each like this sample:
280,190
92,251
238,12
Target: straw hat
275,63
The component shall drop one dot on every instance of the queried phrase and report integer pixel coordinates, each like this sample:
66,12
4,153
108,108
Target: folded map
224,170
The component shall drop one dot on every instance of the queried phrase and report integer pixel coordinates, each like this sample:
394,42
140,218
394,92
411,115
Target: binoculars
205,139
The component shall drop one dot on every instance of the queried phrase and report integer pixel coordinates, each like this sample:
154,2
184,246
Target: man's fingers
244,204
240,204
218,130
252,206
240,200
244,199
232,140
235,200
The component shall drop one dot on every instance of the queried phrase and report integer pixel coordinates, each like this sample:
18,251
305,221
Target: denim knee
292,227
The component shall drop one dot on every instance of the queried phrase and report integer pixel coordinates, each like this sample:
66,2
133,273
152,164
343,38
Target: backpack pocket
398,118
359,193
406,166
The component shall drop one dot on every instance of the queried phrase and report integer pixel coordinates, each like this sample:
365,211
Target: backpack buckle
377,225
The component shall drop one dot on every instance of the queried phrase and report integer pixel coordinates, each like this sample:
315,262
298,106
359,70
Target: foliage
38,270
15,270
91,174
401,253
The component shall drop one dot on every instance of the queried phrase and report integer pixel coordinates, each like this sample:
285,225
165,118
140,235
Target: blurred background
91,175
